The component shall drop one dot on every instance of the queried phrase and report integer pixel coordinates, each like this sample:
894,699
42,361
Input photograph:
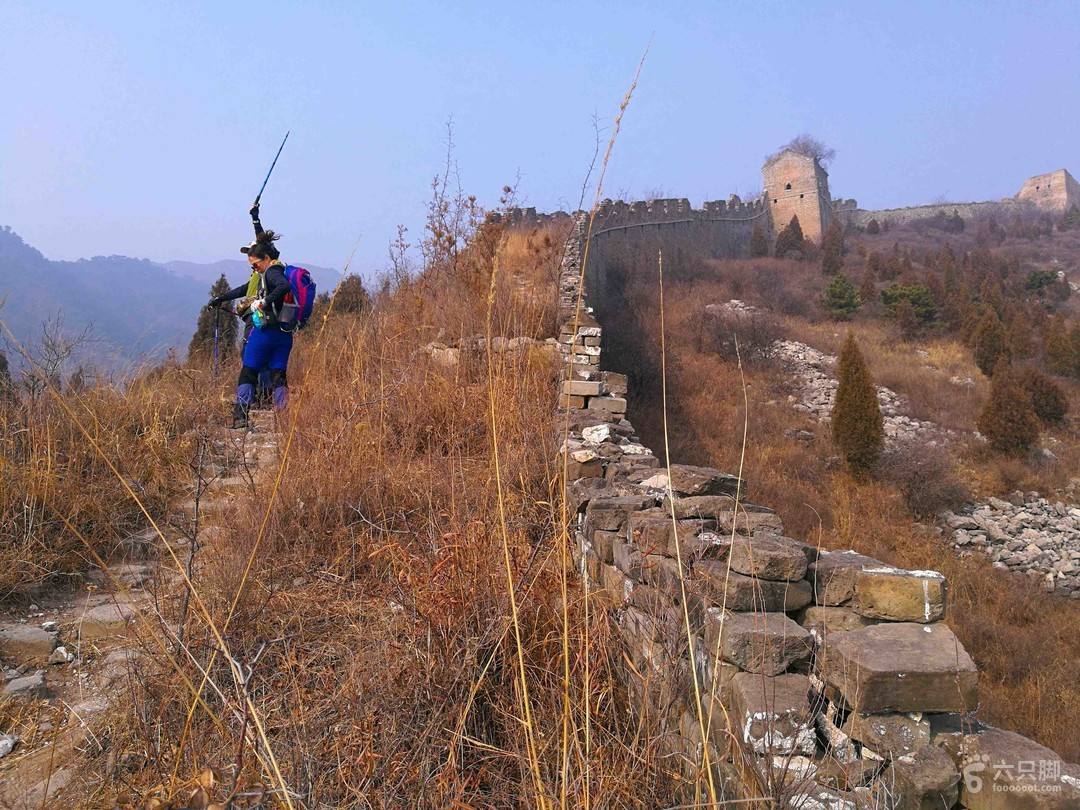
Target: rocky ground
65,653
1025,533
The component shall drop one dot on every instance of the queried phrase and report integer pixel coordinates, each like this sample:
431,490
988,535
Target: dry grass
50,470
379,596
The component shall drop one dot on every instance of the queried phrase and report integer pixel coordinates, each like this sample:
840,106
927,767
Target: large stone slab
833,575
689,480
736,591
901,667
897,595
1002,770
768,557
773,714
26,643
609,513
767,643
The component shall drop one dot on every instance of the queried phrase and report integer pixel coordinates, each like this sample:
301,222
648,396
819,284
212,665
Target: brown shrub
925,476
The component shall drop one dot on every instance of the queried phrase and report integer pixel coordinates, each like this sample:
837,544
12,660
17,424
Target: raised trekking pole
272,165
217,319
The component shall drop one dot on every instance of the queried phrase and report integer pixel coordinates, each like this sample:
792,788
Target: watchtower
796,184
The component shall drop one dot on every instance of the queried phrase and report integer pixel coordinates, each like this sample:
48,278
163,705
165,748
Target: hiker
268,344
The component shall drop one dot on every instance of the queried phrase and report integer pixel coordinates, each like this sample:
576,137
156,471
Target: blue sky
146,128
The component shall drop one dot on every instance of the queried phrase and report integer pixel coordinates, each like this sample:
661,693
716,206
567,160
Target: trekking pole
272,165
217,319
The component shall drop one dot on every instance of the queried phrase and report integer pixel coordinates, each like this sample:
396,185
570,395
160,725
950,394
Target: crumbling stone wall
829,674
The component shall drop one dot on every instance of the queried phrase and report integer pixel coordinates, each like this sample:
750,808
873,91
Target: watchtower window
787,187
800,196
774,200
1036,188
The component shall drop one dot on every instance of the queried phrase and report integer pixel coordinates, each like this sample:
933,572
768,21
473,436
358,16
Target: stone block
773,714
571,401
768,557
1002,770
824,619
614,383
581,388
616,583
682,537
889,735
898,595
736,591
608,405
26,687
584,464
768,643
833,575
661,572
603,543
901,667
649,530
687,479
609,513
749,523
591,564
847,775
924,780
627,559
23,643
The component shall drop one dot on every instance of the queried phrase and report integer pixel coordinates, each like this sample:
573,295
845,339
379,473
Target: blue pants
265,349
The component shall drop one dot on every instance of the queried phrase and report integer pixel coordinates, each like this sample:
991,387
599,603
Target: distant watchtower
795,184
1055,191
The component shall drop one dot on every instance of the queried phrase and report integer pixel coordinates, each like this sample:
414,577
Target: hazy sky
146,128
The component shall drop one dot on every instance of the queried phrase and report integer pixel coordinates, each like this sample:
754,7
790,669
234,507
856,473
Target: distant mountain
236,271
137,309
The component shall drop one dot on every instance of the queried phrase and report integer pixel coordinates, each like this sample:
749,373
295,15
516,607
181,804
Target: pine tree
1008,420
868,288
1047,398
857,426
789,239
351,295
832,249
906,319
841,299
759,245
1061,355
873,227
990,342
202,342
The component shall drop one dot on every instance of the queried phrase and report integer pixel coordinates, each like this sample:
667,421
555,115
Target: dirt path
66,653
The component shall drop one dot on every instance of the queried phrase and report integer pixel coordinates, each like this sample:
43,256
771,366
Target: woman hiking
267,346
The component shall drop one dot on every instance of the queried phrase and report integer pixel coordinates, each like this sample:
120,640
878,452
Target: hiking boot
240,416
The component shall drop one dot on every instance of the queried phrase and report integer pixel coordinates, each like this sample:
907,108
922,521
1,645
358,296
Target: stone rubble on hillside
818,389
831,670
1026,533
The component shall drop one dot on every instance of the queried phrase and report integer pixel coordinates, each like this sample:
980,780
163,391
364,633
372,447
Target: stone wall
1002,209
830,673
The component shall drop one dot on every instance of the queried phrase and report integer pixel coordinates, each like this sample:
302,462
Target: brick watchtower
795,184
